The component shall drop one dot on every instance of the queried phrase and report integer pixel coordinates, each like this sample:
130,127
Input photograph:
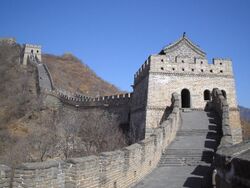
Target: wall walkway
187,162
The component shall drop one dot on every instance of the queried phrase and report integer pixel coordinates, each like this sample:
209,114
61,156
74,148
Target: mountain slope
245,113
70,74
24,120
245,121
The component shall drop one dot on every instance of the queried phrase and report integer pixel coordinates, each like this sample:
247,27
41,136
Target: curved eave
191,45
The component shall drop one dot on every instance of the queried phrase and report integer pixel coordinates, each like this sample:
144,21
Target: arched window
185,98
224,93
207,95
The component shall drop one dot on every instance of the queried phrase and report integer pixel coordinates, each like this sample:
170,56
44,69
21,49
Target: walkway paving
187,161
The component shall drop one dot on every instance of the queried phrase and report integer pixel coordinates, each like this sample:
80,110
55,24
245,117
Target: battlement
198,66
32,46
142,72
85,101
9,41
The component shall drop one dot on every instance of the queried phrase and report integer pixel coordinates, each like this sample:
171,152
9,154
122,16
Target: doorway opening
185,98
207,95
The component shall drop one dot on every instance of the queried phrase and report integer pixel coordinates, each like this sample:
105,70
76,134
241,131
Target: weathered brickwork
231,161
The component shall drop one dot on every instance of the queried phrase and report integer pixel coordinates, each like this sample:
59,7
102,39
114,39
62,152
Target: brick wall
230,119
232,157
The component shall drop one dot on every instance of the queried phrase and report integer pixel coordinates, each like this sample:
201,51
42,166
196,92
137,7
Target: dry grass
245,129
71,74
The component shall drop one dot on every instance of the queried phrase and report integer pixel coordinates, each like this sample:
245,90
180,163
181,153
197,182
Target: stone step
185,160
187,152
192,161
186,110
186,157
192,132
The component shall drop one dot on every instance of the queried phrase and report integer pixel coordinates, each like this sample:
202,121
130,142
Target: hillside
31,131
17,84
70,74
245,121
245,113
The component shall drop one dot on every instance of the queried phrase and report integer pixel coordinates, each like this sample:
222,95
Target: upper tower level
184,58
31,50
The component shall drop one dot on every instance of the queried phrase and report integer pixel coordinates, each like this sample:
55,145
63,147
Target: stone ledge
82,159
40,165
192,75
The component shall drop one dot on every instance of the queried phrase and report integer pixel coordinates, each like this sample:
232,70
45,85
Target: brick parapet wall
231,169
221,107
229,117
49,75
142,72
84,101
120,168
199,67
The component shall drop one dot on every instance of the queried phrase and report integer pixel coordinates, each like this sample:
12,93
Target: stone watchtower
181,67
31,51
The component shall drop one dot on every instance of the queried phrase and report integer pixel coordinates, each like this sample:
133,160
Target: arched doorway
207,95
185,98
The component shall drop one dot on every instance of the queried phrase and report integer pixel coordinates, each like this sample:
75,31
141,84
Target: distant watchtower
32,51
181,67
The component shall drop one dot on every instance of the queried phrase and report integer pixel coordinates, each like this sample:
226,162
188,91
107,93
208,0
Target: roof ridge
195,47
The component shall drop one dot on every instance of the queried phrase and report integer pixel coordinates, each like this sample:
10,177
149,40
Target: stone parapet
229,117
85,101
199,67
231,160
142,72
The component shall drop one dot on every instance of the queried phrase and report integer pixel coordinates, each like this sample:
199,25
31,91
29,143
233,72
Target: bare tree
43,138
70,125
100,132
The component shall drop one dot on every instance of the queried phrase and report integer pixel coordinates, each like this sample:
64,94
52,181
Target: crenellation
143,70
200,61
200,66
83,101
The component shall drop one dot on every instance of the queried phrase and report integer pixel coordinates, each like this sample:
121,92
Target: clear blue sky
115,37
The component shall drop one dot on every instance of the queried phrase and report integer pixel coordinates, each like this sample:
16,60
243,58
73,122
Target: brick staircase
180,157
187,162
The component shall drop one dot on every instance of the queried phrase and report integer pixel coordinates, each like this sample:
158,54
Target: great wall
169,88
